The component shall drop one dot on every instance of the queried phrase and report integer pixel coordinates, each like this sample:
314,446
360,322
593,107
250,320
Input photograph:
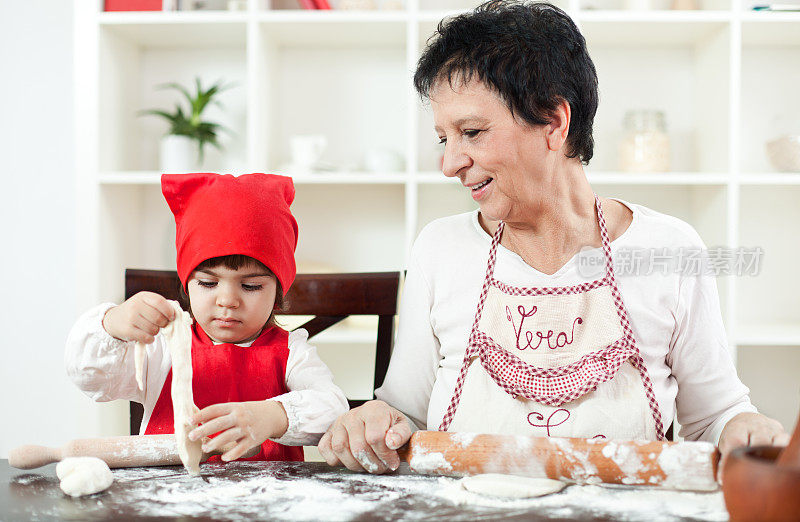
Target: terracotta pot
755,488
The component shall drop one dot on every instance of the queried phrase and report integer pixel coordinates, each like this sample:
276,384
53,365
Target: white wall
37,207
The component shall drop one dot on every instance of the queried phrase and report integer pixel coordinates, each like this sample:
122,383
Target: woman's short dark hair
531,54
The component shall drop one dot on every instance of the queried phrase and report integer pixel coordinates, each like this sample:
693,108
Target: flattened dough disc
511,486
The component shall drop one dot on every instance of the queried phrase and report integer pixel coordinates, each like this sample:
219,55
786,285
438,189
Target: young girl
255,383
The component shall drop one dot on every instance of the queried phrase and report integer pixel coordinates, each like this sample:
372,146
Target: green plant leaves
190,124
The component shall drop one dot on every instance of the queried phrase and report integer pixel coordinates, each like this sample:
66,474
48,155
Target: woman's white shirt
675,316
104,369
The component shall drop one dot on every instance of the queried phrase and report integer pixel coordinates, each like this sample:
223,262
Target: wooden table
314,491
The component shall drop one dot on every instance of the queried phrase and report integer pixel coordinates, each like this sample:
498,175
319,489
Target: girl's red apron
554,361
229,373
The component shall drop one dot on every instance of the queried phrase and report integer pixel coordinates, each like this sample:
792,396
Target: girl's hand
139,318
366,438
750,429
241,426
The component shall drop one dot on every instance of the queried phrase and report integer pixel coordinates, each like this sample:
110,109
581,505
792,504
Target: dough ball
83,475
511,486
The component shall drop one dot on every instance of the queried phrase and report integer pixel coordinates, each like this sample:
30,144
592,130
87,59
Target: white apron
554,361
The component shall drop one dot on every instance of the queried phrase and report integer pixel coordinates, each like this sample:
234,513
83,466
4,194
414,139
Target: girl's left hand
241,426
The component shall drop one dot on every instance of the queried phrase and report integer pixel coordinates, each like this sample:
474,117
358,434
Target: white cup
383,160
307,149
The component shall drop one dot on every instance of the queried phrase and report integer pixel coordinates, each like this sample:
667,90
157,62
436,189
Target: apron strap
487,281
622,312
473,346
601,220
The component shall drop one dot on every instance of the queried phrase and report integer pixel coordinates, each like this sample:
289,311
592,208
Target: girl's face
232,306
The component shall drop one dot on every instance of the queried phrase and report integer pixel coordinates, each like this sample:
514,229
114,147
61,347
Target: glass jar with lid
645,143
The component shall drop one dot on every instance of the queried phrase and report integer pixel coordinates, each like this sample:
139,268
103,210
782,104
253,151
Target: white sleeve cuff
107,343
313,401
293,436
715,430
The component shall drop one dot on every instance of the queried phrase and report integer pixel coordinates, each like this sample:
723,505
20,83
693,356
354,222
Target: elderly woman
514,319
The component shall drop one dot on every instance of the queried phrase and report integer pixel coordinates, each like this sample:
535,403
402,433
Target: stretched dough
511,486
83,475
178,337
139,360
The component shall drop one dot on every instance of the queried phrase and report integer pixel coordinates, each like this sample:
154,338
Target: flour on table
511,486
278,491
83,475
178,337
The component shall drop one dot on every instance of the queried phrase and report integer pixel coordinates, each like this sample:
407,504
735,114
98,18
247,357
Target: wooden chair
329,297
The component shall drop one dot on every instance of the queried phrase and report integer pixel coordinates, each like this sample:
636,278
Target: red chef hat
220,214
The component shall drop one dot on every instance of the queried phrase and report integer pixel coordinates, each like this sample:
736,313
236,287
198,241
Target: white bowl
784,153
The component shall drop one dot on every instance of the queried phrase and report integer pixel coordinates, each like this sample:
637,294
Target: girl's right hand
139,318
366,438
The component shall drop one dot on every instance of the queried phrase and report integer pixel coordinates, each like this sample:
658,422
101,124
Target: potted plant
182,148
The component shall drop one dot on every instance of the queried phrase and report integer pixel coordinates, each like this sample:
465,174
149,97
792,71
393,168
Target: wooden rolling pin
688,466
117,452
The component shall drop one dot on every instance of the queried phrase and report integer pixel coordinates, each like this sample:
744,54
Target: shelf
433,177
658,16
343,29
437,178
768,335
169,17
433,17
177,30
356,178
130,178
317,178
617,178
770,178
651,30
342,17
658,178
768,17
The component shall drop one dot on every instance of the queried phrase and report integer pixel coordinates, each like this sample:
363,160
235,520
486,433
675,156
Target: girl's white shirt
103,367
676,320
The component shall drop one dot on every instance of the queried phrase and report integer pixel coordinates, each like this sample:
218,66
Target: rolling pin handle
32,456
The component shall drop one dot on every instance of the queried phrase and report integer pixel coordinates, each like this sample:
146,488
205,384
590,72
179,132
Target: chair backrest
330,298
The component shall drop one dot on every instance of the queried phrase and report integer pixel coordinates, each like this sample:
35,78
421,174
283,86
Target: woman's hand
139,318
366,438
750,429
241,426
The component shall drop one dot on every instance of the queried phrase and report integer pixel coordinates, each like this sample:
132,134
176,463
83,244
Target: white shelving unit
724,76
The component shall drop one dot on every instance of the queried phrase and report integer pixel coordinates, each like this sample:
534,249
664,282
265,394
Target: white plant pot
178,154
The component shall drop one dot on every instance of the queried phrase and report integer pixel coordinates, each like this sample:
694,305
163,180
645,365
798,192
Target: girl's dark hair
531,54
235,262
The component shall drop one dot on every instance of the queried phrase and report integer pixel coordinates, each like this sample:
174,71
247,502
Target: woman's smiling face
495,155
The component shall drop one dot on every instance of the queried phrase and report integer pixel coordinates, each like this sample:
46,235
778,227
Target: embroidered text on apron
554,361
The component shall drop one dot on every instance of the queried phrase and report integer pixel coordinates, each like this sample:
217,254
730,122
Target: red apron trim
553,290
